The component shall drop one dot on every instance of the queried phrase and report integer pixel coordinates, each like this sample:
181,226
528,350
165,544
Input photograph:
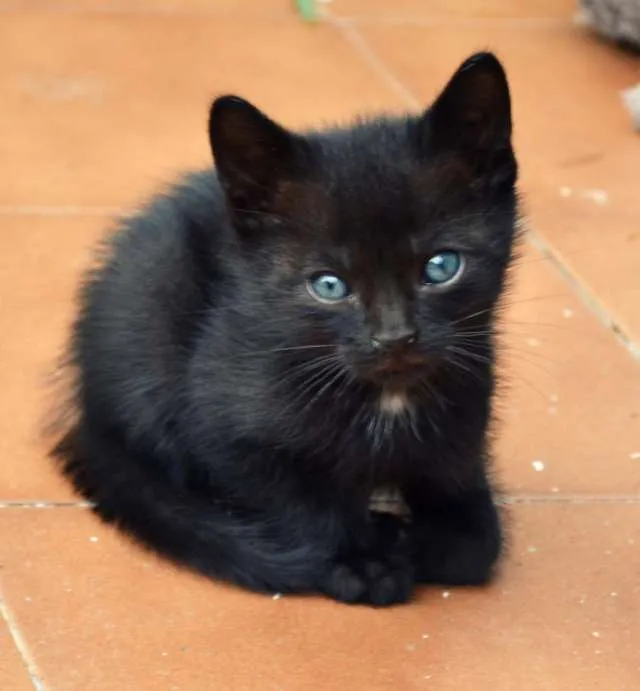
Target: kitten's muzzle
397,359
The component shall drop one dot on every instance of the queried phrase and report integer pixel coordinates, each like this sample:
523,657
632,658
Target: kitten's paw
447,553
467,567
369,582
381,577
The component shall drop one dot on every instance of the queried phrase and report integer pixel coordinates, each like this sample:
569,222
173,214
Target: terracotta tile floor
102,101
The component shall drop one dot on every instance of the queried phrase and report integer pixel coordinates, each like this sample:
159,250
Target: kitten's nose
396,338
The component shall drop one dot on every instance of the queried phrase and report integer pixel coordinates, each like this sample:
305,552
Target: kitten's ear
472,119
253,154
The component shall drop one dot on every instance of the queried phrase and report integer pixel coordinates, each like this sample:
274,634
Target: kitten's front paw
459,550
382,576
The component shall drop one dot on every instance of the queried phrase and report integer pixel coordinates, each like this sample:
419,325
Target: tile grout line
575,499
21,646
583,293
355,39
507,499
45,504
511,22
34,210
80,11
323,12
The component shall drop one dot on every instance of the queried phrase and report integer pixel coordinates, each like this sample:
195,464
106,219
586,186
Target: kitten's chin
397,376
397,382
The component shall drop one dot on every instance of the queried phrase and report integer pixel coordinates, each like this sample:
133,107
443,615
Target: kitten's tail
204,536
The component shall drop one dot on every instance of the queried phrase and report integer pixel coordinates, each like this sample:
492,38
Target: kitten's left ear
253,154
472,119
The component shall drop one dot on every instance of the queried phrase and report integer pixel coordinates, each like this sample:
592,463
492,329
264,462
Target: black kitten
273,341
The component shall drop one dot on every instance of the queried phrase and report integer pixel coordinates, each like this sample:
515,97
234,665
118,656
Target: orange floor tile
104,101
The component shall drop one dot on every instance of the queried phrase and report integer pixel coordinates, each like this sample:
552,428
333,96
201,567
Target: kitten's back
140,306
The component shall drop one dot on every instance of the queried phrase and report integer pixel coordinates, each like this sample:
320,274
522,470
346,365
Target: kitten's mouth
399,365
399,362
397,368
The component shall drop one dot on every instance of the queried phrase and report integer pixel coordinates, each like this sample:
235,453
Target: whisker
479,313
465,368
287,349
308,386
441,400
522,357
339,373
470,354
510,349
528,383
302,370
534,298
304,379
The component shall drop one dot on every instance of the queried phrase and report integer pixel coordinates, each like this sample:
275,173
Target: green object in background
307,9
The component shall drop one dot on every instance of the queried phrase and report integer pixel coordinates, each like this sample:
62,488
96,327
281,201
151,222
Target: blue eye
328,287
441,268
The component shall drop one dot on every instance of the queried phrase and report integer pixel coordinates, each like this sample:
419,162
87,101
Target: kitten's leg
351,554
457,538
376,568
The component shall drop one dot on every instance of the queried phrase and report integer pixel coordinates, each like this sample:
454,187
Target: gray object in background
619,21
631,98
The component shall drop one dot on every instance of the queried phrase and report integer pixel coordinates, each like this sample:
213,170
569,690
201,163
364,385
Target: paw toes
372,582
392,585
344,584
374,570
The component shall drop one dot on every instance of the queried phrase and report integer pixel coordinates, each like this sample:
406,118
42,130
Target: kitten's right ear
253,154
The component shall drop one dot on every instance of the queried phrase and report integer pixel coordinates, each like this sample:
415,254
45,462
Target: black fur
234,423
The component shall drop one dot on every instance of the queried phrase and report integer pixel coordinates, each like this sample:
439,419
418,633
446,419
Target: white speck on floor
555,490
538,466
600,197
552,410
411,647
164,654
446,594
613,594
425,635
635,456
595,634
276,596
532,549
566,192
27,599
61,89
93,538
554,398
533,342
567,313
598,652
631,541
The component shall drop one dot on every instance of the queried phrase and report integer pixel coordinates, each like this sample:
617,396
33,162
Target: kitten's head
386,242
